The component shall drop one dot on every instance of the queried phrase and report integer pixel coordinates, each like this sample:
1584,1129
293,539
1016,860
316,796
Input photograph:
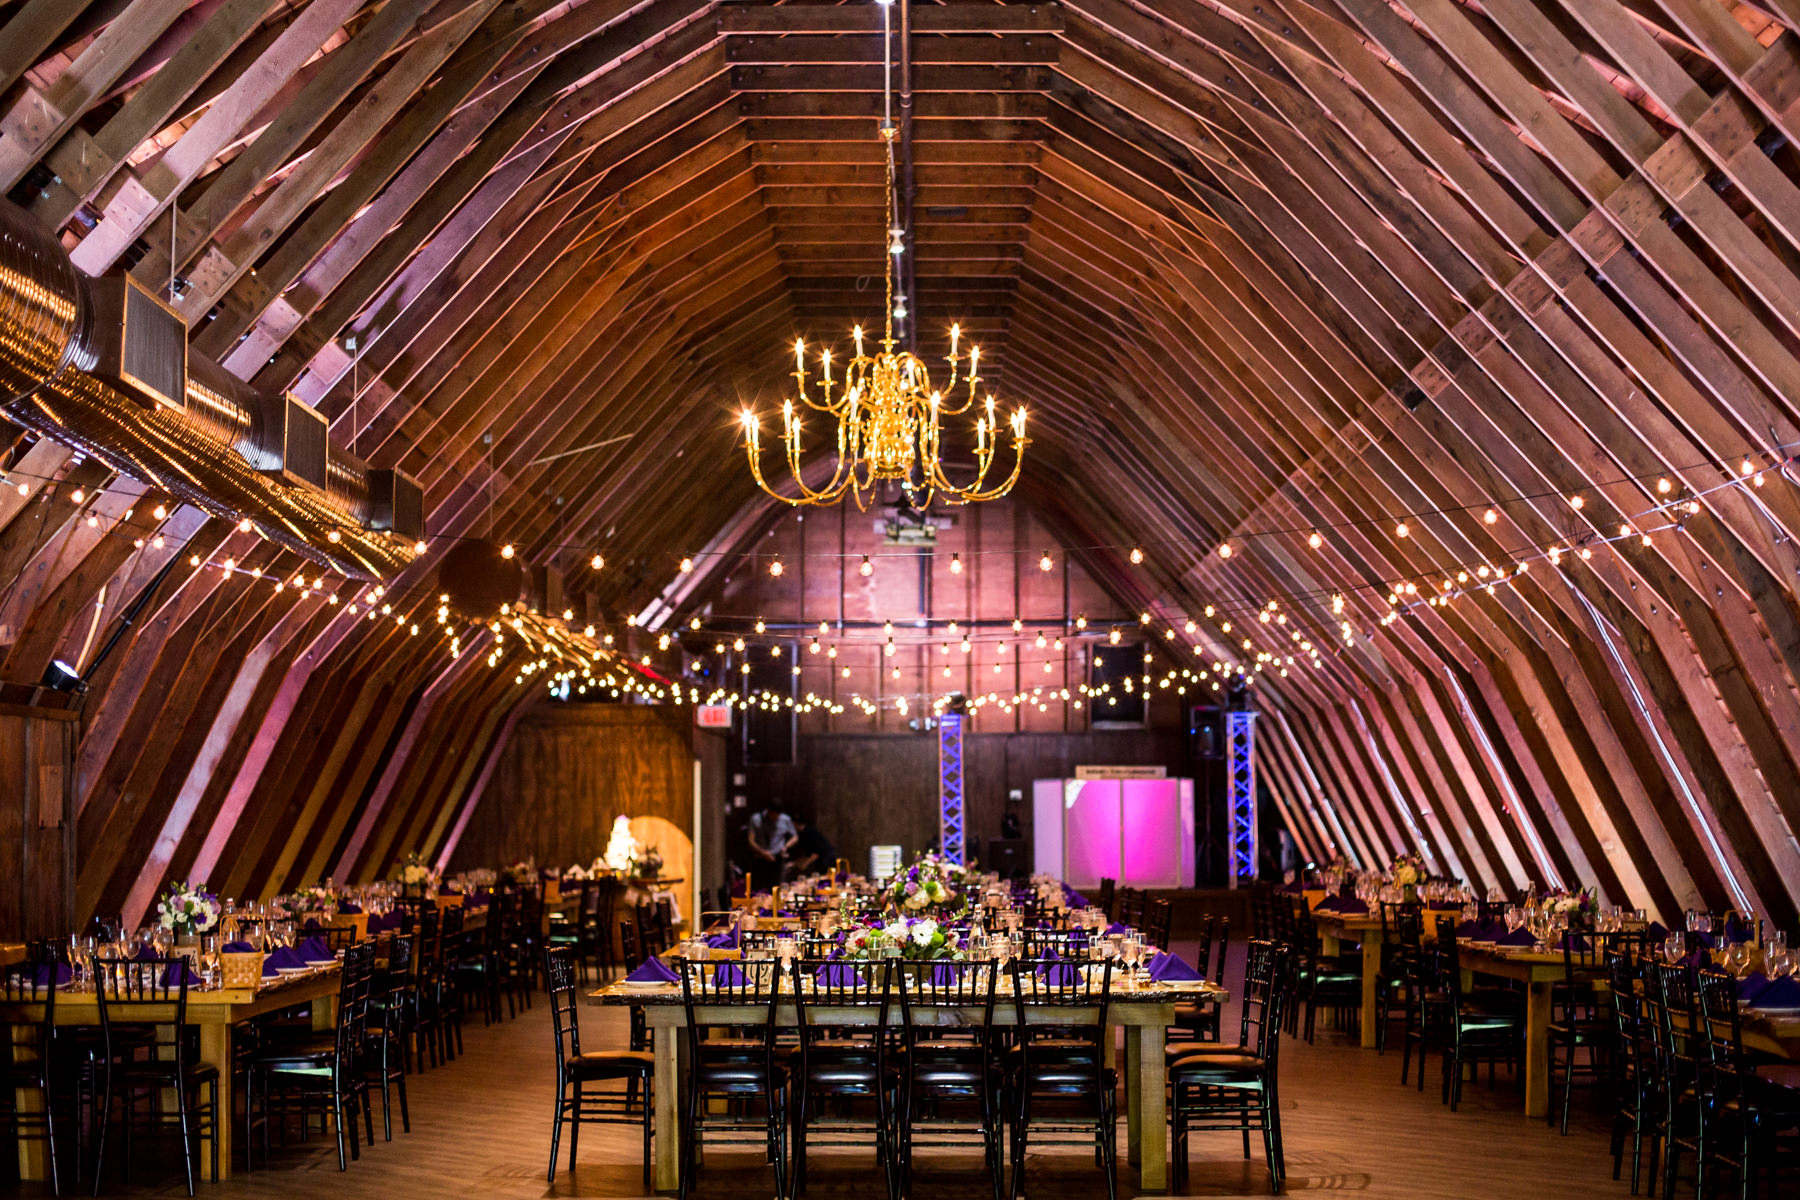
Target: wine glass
1737,959
1778,962
1131,949
1673,947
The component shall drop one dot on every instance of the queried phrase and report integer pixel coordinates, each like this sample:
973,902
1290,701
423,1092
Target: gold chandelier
888,415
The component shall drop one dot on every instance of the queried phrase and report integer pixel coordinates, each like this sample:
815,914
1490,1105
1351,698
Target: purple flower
911,887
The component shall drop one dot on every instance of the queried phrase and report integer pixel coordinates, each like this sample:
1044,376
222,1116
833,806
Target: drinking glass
1131,949
1737,959
1673,947
1778,963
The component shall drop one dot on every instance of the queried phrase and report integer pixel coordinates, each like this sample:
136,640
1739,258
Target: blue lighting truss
1240,767
950,787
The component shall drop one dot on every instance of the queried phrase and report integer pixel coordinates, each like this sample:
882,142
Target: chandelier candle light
889,416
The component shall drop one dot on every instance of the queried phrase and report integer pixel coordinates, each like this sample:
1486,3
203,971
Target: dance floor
481,1129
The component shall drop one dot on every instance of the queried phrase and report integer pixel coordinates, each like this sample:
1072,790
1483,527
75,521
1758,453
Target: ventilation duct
90,364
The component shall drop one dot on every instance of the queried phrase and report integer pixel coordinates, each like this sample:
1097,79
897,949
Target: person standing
813,851
772,835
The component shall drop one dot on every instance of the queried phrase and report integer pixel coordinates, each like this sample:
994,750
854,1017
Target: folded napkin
1697,958
1073,898
145,951
944,975
1518,937
1572,941
654,970
237,948
724,941
1655,931
1470,929
314,950
285,958
1116,929
1060,974
176,972
728,975
837,975
41,977
347,909
1172,968
1737,931
1770,993
312,925
1342,904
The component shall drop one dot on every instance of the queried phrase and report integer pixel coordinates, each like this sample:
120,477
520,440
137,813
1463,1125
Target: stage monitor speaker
1006,857
1206,733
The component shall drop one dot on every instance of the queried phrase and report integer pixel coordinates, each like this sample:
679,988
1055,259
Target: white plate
642,985
292,970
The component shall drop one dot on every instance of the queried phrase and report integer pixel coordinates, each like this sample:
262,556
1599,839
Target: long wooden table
1145,1014
216,1013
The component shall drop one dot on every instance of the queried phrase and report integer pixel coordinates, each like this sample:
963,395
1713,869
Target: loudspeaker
1206,733
1006,857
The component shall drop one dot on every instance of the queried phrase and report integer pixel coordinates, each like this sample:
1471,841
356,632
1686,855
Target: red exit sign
713,716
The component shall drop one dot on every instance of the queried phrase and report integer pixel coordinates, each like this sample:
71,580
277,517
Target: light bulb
1044,563
596,562
1490,516
775,568
1401,530
1224,549
687,566
1315,541
1137,556
507,551
956,564
867,568
419,546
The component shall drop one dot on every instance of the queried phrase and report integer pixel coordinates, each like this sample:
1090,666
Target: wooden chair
1637,1107
391,1005
1474,1032
576,1070
1579,1022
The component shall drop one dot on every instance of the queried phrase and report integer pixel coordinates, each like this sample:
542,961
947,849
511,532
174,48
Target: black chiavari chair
1474,1032
31,1066
135,996
392,1000
741,1066
937,1069
1579,1022
325,1075
1159,918
1103,899
842,1058
1672,1007
1236,1091
1061,1037
1637,1101
576,1070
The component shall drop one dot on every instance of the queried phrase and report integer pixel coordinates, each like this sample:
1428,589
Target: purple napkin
315,950
1518,937
838,975
1470,929
1775,993
1342,904
1172,968
347,909
727,975
1116,929
175,972
654,970
724,941
237,948
1697,958
145,951
1572,941
41,977
283,958
1073,898
312,925
944,975
1060,974
1736,931
1655,932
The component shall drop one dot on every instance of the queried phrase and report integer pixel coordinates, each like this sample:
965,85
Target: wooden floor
481,1129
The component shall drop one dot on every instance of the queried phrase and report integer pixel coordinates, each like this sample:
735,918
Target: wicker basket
357,921
241,970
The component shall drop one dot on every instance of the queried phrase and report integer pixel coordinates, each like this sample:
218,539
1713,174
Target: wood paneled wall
568,770
37,757
875,789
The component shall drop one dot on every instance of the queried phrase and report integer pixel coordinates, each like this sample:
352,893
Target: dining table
1145,1012
217,1012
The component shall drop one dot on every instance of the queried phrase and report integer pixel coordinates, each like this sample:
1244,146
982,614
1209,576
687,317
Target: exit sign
713,716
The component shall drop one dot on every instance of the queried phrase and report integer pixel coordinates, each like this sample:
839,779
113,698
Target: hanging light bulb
956,564
1315,540
506,551
597,562
1490,516
687,566
775,568
1137,556
867,569
1044,563
1224,549
1081,621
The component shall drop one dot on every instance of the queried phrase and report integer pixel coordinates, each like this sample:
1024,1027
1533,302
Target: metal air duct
231,450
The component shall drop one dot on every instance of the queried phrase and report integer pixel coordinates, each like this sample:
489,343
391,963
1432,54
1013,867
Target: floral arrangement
914,937
930,885
523,871
1579,907
649,862
1408,870
579,872
416,874
188,908
312,899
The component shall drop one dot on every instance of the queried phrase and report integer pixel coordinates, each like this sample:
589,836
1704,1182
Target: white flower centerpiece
932,885
416,876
